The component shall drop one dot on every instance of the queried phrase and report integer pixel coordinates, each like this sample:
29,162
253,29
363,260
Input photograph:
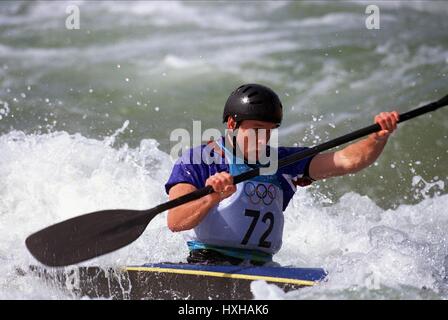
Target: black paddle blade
87,236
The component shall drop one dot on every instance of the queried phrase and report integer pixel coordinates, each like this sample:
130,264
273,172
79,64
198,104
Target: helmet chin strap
233,143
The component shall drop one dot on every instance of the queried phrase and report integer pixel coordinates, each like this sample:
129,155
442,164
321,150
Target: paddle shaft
304,154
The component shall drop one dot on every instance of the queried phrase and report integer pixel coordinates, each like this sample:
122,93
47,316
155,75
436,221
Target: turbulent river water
86,117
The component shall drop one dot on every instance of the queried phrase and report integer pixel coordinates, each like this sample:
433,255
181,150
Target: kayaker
244,223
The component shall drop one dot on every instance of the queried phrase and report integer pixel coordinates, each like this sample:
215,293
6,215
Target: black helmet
254,102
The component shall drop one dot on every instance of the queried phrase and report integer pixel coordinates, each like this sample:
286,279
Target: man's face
252,137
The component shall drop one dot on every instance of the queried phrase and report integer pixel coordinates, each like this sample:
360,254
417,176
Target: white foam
177,62
368,251
52,177
339,20
262,290
4,109
172,13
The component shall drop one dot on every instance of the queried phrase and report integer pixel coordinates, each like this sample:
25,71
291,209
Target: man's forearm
361,154
189,215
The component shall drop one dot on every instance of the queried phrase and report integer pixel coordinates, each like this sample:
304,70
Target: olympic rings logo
260,193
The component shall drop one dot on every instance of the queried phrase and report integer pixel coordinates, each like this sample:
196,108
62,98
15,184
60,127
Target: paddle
97,233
